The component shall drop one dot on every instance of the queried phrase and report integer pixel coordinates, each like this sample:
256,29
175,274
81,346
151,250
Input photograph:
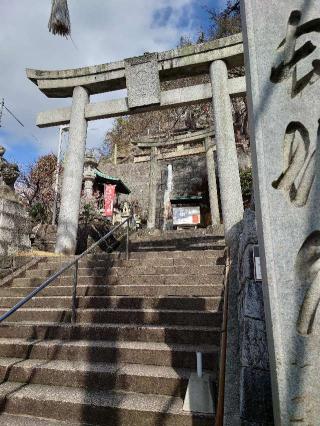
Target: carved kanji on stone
298,153
291,57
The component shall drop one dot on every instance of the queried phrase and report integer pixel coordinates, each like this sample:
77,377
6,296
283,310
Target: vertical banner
109,193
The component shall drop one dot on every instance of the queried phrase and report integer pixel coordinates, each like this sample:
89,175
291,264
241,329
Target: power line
3,106
14,116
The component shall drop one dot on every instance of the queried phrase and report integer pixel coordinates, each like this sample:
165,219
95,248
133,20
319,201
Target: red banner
109,194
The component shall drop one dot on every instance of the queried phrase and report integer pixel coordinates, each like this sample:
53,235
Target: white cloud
102,31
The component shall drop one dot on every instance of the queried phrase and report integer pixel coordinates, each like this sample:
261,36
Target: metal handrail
75,276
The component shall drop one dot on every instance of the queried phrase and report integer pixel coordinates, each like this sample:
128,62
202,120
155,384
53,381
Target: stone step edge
106,344
7,324
123,369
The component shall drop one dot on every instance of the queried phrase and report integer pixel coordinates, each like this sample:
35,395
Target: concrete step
195,254
178,279
126,302
137,254
141,247
182,334
14,420
148,353
215,257
119,315
44,272
116,271
97,375
120,290
83,405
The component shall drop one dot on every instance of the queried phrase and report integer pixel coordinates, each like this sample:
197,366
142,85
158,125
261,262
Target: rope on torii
59,22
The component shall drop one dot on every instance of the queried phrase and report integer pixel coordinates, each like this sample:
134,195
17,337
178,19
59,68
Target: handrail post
74,292
127,243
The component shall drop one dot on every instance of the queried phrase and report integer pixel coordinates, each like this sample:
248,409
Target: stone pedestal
229,179
212,183
14,235
282,53
152,189
72,177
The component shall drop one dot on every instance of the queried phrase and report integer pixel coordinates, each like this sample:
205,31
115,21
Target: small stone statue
9,172
125,209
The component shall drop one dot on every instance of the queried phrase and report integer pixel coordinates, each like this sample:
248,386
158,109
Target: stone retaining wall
255,381
14,229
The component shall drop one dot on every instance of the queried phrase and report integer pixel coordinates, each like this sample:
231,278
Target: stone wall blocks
253,300
256,406
254,349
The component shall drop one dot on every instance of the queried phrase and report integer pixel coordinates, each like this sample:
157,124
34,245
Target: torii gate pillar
72,177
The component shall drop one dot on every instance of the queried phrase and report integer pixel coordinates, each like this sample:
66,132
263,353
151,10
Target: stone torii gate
155,144
142,77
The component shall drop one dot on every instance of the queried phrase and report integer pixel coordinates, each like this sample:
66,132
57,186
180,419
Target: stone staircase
128,357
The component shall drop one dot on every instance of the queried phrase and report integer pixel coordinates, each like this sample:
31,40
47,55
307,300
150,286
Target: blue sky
101,32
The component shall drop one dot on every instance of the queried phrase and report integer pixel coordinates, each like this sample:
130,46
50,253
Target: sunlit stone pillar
229,179
72,176
152,189
212,183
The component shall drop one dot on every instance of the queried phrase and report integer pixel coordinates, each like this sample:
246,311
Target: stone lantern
89,175
9,172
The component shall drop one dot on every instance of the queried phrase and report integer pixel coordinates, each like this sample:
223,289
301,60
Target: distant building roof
120,186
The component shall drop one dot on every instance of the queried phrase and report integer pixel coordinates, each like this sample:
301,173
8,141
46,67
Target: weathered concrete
72,176
212,182
153,179
118,107
179,62
90,164
255,378
199,396
284,91
167,209
14,235
229,179
142,79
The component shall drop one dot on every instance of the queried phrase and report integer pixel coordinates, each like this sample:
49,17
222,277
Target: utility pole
1,111
56,187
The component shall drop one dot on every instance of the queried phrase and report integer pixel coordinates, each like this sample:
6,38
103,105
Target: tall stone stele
13,216
282,52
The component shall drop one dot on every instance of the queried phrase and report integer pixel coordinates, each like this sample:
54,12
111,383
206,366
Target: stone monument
282,52
13,217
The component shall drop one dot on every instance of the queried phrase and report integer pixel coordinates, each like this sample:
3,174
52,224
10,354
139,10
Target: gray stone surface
252,298
153,180
255,396
233,366
212,182
255,387
199,395
254,349
229,179
72,176
143,81
282,43
106,77
14,229
115,107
